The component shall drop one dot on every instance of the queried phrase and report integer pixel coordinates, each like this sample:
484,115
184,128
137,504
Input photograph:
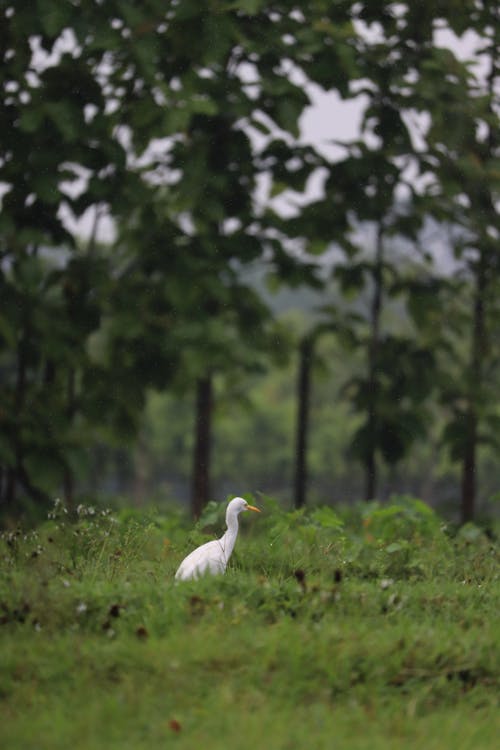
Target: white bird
212,557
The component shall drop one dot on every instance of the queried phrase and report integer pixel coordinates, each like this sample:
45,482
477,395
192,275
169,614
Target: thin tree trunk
68,476
478,343
68,481
91,245
303,398
13,472
469,470
469,460
140,471
371,478
10,487
202,446
38,495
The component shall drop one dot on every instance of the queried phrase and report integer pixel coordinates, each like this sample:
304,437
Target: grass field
374,628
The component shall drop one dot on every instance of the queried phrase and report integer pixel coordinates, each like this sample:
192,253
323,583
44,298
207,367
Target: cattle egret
213,557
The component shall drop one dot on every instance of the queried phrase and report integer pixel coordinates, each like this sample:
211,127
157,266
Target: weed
327,629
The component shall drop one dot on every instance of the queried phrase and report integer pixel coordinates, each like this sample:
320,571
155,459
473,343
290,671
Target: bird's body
212,557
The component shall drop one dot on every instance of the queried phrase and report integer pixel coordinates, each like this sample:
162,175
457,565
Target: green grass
378,629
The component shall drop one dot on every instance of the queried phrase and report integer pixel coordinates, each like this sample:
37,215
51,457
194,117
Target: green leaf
55,17
31,118
327,518
250,7
351,277
317,247
278,188
395,547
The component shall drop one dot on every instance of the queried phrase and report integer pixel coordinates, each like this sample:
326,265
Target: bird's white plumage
212,557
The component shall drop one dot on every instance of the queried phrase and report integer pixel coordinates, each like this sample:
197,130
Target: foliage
182,123
94,91
465,193
253,430
64,100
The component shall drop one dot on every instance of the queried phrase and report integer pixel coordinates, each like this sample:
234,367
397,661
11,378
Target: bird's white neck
228,540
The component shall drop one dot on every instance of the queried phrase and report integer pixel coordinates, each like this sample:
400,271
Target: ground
373,629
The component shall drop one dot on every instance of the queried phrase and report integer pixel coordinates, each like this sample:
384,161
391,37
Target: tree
46,311
306,352
170,119
74,84
243,85
463,156
372,186
381,181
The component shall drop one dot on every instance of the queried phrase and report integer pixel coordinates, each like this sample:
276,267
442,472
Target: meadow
370,627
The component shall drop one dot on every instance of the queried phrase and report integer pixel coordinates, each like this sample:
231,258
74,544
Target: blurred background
249,247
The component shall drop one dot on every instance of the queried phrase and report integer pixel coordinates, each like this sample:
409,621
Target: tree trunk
469,469
202,446
140,471
468,502
9,495
373,349
68,476
371,479
303,398
13,472
478,343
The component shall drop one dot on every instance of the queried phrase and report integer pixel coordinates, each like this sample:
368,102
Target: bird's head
238,504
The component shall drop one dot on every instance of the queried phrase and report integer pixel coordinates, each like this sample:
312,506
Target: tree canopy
181,124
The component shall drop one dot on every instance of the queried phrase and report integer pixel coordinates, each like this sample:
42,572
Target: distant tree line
181,121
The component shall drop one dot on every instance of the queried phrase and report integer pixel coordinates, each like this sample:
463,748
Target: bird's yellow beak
252,507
